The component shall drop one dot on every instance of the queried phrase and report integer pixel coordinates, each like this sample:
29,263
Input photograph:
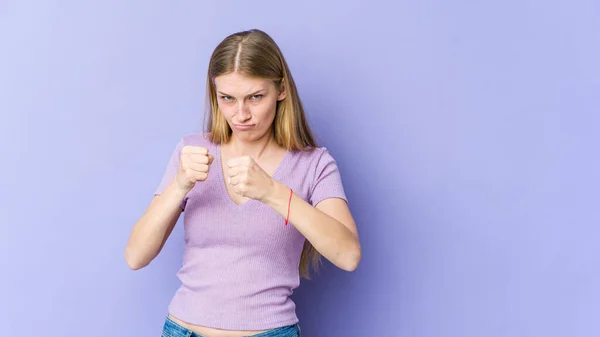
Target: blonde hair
254,53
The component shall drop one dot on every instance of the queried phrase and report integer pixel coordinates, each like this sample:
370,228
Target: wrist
180,190
277,194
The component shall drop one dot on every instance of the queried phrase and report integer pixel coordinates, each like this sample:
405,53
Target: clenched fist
194,165
248,178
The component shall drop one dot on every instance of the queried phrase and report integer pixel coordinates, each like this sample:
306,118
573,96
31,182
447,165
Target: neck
255,149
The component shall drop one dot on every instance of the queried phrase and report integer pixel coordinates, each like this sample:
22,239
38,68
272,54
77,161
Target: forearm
329,236
152,229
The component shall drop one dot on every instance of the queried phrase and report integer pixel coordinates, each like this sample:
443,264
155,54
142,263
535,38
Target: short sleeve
171,171
328,180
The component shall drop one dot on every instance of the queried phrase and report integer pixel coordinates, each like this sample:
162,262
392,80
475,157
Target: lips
243,127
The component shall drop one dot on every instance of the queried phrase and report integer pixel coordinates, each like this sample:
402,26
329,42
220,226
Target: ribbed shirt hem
225,324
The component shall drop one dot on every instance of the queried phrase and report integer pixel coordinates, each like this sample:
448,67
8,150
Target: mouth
243,127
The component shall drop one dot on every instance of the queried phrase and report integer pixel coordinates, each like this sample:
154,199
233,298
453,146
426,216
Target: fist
194,165
248,179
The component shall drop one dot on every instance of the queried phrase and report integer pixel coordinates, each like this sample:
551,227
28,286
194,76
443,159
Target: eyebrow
252,94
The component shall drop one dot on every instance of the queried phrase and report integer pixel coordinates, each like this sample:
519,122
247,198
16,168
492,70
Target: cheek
264,110
226,110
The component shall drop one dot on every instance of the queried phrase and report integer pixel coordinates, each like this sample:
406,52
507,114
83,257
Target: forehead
236,83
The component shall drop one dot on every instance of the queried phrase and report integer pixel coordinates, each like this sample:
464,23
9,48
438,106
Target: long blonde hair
254,53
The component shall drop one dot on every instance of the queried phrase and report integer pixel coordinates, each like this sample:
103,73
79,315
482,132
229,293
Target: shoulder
321,173
315,160
195,139
314,155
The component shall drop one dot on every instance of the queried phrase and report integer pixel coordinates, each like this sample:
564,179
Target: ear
282,91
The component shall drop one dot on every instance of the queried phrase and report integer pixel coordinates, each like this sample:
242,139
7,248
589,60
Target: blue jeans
172,329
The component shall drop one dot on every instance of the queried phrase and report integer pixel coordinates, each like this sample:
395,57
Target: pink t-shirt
240,263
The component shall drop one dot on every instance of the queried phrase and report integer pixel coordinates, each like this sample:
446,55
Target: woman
261,201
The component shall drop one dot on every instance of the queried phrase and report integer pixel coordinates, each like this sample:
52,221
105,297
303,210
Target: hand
194,165
248,179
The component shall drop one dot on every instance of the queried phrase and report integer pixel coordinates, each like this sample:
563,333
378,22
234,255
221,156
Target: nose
243,112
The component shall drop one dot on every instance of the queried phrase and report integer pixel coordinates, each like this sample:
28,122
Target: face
248,104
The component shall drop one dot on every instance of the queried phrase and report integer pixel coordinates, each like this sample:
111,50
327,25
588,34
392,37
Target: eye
226,98
256,97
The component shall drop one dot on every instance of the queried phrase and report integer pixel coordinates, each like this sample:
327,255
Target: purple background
467,135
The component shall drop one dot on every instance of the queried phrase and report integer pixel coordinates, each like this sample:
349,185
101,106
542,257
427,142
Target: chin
249,136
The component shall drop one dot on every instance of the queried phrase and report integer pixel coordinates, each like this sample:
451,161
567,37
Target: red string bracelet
289,206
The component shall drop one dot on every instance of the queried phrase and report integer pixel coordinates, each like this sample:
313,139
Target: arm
188,165
329,226
152,230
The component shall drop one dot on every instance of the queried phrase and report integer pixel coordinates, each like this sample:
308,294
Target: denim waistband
173,329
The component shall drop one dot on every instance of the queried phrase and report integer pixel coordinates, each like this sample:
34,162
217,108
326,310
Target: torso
269,165
211,332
